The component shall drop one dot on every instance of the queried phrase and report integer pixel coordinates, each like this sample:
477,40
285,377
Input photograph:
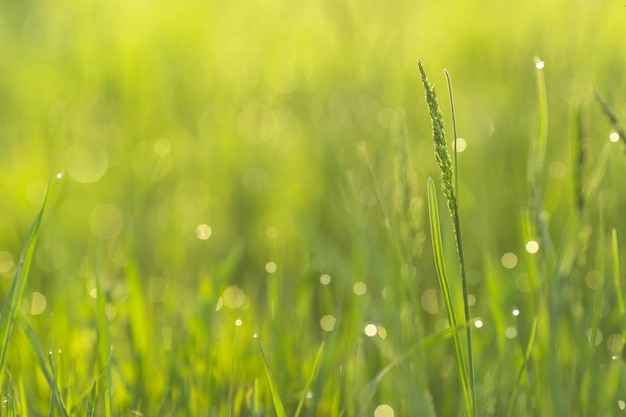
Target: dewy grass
449,178
278,404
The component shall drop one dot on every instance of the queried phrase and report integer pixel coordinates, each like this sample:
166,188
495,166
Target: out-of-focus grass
267,162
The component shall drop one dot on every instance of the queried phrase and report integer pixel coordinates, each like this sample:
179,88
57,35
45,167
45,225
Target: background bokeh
218,158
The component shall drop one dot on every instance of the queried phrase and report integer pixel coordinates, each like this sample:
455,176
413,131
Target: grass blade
16,290
278,404
616,277
91,401
316,364
435,233
56,398
523,367
104,338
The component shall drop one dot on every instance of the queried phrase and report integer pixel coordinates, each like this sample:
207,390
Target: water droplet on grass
203,231
359,288
532,246
327,323
271,267
370,330
509,260
383,410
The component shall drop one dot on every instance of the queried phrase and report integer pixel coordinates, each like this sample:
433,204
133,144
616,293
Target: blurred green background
218,158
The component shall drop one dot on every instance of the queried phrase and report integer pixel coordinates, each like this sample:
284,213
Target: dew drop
532,246
370,330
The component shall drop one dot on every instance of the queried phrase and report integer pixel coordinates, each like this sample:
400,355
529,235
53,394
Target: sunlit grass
263,169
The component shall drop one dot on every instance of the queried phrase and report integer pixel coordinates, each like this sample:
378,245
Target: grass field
237,221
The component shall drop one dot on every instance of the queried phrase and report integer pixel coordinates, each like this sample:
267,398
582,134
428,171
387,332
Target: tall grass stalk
449,176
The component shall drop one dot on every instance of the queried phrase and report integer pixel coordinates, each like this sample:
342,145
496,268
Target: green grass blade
108,406
91,401
539,142
102,330
278,404
578,157
16,290
56,398
459,248
536,162
616,277
435,233
524,366
316,364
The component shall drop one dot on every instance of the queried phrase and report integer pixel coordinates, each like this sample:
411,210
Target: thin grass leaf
435,233
459,248
102,330
309,383
91,401
536,162
56,399
108,406
16,290
539,141
278,404
524,366
616,276
578,157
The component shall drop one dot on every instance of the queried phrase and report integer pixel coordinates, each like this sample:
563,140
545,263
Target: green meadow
224,208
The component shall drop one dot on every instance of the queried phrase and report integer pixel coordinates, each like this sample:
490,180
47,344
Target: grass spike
450,188
441,150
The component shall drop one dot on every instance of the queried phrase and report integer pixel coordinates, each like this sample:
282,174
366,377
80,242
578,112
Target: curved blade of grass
278,404
435,233
16,290
316,364
41,361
